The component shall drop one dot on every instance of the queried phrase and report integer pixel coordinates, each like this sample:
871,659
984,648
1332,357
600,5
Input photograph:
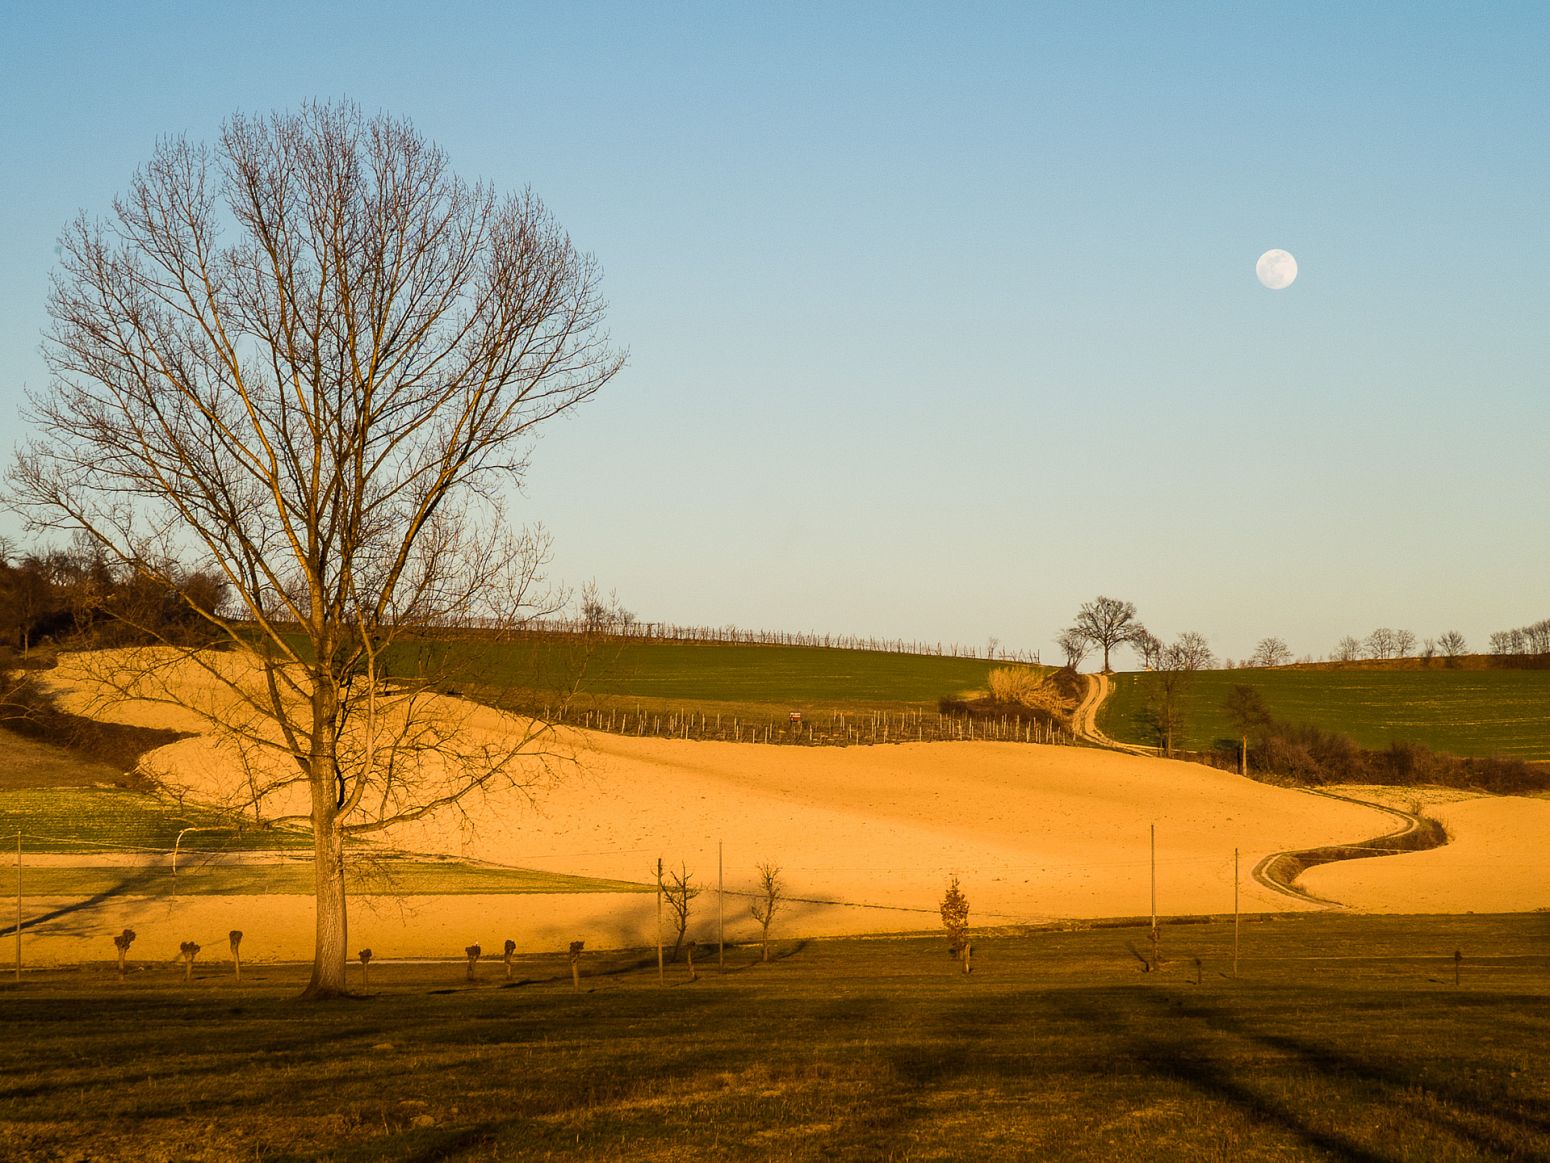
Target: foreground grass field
1464,712
1343,1038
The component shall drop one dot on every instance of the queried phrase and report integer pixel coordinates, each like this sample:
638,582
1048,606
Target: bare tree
310,360
1271,652
1452,645
1349,649
1107,623
1075,645
1163,711
772,892
1382,643
1149,647
1404,643
679,894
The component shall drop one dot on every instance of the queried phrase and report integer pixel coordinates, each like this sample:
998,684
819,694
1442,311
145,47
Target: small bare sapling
187,951
507,953
772,893
575,964
122,943
365,956
472,952
680,895
235,937
955,919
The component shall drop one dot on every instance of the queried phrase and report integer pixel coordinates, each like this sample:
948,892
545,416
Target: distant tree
1428,650
1404,643
1537,636
1248,714
679,894
1270,652
772,893
1381,643
1348,649
1075,645
1149,647
1107,623
1452,646
955,919
1163,711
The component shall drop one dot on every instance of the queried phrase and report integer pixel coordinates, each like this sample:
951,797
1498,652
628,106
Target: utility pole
1235,913
18,906
1155,959
661,970
721,896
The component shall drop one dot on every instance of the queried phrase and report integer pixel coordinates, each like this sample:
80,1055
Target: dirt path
1084,721
1279,870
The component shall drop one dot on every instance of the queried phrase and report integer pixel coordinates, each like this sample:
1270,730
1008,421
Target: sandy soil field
866,838
1496,860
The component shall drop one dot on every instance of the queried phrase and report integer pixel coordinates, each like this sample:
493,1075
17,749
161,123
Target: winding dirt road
1279,870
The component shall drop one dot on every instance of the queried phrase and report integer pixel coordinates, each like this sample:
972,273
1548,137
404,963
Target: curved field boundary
1416,833
1279,871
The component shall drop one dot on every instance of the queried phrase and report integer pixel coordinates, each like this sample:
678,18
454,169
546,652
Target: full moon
1276,269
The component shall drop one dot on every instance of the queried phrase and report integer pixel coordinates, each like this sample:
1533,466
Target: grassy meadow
756,679
1342,1038
1463,712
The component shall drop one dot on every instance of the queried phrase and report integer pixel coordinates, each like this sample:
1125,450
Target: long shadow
125,886
1327,1059
1183,1058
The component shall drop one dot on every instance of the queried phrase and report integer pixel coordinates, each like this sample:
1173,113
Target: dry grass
1327,1047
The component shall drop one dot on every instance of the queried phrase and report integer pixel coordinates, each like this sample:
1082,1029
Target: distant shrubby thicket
1309,755
77,597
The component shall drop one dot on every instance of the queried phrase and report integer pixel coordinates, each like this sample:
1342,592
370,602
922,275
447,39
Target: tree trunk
329,957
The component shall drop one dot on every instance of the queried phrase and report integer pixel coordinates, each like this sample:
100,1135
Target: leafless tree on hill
1404,643
1271,652
1164,709
1348,649
1074,644
1107,623
1451,646
311,360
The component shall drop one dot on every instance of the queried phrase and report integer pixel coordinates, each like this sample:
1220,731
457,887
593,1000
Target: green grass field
666,672
1464,712
136,826
1344,1038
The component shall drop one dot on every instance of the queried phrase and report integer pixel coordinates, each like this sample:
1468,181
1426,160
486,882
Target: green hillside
700,672
1463,712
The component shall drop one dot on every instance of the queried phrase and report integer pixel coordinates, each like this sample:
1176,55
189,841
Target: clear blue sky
943,319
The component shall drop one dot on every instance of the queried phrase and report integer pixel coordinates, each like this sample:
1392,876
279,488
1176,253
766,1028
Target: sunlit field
1464,712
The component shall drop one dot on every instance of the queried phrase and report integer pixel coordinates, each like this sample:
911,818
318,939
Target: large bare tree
1107,623
310,359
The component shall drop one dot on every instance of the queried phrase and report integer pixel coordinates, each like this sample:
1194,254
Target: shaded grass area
31,763
1343,1038
1463,712
393,876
